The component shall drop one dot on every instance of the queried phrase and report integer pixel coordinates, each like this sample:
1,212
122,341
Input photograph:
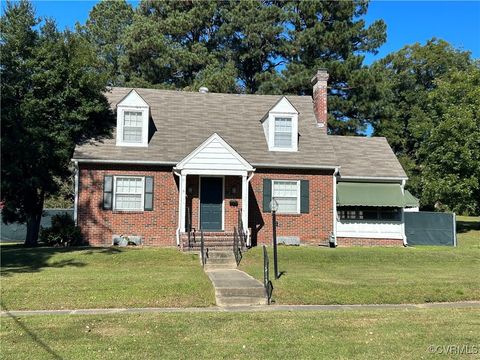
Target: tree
52,97
450,156
241,46
173,44
407,77
333,35
104,29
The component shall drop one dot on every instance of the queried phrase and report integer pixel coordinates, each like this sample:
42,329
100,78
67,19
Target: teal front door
211,203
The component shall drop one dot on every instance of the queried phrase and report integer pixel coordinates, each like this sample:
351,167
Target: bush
63,232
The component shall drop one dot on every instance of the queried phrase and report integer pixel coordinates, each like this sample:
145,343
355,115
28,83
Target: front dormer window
283,133
281,127
132,120
132,126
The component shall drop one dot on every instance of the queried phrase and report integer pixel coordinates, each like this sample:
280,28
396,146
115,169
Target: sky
408,22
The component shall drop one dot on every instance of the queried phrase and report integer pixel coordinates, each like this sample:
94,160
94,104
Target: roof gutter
294,166
384,178
134,162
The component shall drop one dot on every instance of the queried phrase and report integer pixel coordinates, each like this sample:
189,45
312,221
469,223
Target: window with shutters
287,195
132,126
128,193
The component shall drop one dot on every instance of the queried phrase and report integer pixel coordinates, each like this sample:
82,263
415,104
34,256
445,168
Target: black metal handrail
267,283
237,249
241,231
203,250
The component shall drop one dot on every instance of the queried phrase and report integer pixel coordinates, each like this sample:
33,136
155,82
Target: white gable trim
282,109
135,103
214,156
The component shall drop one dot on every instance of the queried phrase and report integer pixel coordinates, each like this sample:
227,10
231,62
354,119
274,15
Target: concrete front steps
233,287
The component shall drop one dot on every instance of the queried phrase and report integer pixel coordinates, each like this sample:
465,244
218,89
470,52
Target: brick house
181,162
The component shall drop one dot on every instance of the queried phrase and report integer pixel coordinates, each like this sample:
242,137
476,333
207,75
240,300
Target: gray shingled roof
185,119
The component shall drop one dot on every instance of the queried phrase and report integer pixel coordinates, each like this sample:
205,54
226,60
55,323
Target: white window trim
298,194
114,205
120,124
271,141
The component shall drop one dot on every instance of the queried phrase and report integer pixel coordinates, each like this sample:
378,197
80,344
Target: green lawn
315,275
52,278
381,334
468,231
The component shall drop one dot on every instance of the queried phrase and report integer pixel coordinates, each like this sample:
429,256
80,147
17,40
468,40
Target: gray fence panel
17,232
430,228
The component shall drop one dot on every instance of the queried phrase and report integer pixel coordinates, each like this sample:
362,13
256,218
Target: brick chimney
319,82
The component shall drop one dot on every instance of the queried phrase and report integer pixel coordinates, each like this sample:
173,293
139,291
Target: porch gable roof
214,156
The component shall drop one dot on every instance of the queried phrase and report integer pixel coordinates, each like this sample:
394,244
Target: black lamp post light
274,208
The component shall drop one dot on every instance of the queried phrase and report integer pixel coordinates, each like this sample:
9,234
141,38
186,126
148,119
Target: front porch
213,183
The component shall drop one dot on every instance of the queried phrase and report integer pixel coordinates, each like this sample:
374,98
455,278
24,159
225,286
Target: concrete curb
258,308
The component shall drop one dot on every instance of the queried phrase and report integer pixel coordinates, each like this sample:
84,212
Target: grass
52,278
381,334
376,275
468,231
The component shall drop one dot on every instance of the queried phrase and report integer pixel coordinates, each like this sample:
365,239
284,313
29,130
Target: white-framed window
132,121
132,127
282,137
281,127
287,195
128,193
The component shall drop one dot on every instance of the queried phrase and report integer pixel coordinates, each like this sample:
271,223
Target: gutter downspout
75,204
177,232
249,240
335,206
404,236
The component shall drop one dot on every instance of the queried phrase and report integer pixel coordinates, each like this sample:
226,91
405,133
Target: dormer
281,126
132,121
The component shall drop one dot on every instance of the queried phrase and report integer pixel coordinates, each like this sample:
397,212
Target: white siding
214,156
370,229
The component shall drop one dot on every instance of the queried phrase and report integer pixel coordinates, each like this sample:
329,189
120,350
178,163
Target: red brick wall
313,228
233,192
158,227
342,241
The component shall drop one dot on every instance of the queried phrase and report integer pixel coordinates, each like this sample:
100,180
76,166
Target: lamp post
274,208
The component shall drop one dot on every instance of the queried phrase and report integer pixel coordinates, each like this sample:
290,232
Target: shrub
63,232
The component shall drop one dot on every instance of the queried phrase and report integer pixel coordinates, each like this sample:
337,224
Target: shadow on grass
19,259
465,226
30,333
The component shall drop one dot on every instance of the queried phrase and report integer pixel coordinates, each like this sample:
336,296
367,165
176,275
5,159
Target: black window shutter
304,197
267,194
107,192
148,193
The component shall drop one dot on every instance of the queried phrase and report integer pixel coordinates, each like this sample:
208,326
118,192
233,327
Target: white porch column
245,206
181,201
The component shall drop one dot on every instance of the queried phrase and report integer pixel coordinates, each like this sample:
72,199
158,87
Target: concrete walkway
234,287
260,308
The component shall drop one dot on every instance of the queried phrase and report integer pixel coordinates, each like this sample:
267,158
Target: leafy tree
450,157
52,97
105,29
407,77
